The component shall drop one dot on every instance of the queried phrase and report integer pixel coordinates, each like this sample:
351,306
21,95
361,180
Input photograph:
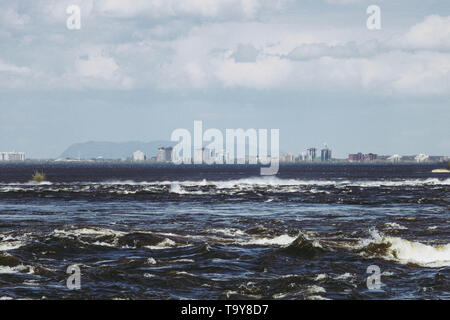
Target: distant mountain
113,150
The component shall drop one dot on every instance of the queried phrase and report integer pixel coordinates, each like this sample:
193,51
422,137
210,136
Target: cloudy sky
137,70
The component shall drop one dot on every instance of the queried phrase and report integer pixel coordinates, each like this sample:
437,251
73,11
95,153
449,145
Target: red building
362,157
356,157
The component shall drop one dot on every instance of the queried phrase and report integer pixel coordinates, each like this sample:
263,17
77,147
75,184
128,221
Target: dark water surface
162,232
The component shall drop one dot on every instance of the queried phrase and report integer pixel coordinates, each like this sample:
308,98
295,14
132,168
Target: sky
138,70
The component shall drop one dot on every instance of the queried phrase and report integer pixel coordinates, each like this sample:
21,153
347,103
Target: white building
421,157
287,158
139,156
12,156
205,155
395,158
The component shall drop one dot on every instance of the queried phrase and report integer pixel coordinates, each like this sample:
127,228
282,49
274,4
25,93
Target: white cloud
93,67
423,73
13,76
245,53
218,9
385,73
13,69
269,72
240,54
344,2
432,33
317,50
10,17
96,66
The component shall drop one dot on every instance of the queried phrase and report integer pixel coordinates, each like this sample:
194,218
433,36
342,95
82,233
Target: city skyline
211,156
309,68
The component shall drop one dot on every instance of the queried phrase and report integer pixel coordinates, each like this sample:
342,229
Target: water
161,232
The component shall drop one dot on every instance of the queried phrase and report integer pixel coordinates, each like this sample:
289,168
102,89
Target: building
207,156
311,154
168,154
302,156
161,155
12,156
164,154
198,156
139,156
362,157
395,158
325,154
370,157
287,158
356,157
421,157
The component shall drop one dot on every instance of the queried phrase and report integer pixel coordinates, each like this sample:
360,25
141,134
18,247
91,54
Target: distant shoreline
435,164
67,172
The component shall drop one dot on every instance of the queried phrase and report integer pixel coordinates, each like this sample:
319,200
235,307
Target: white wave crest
405,251
282,240
275,181
165,244
88,231
11,245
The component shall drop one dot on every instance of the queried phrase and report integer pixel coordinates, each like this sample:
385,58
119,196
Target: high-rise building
161,155
287,158
164,154
205,155
325,154
12,156
311,154
139,156
303,156
168,154
198,156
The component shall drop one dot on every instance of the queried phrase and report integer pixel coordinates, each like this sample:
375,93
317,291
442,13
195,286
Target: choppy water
144,232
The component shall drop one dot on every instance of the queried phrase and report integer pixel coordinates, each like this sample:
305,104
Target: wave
88,231
258,185
9,242
282,240
13,264
114,238
305,247
11,245
405,251
301,245
278,182
377,246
